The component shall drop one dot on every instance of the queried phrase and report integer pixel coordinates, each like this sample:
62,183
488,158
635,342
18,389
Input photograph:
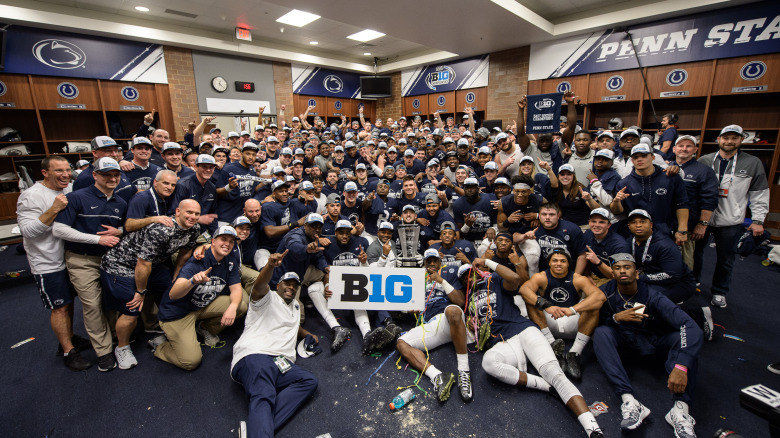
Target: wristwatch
705,223
682,232
142,292
759,223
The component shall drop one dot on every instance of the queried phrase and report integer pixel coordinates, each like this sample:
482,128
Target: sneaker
709,325
774,368
340,337
718,301
442,384
79,343
682,423
106,362
242,429
464,383
559,348
596,434
208,338
573,366
156,330
75,361
633,414
380,338
156,341
125,357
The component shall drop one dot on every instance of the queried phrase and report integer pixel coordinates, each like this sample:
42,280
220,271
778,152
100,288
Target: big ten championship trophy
409,236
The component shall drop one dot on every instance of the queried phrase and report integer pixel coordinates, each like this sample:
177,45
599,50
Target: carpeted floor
43,398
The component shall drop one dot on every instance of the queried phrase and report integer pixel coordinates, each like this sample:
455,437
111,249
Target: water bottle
402,399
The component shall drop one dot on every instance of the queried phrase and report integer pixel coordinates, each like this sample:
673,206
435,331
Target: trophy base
409,262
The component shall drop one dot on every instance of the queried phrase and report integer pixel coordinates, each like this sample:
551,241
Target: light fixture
313,43
297,18
366,53
365,35
142,9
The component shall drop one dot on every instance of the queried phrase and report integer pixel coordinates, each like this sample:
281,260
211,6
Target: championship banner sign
316,81
543,113
371,288
52,53
751,29
451,76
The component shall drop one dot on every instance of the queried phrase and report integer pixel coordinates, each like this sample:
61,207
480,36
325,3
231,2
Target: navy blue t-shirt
436,299
354,213
87,210
566,236
434,227
495,305
346,255
231,205
510,206
376,214
448,254
147,203
142,178
482,209
561,291
273,213
613,243
299,208
191,188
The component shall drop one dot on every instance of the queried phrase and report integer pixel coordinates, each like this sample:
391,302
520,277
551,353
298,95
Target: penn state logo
333,84
59,54
441,100
130,93
563,87
752,70
470,97
559,295
337,105
676,77
68,90
207,292
660,191
416,103
3,88
312,102
614,83
544,104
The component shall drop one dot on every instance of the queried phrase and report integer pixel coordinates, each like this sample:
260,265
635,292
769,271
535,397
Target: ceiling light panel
366,35
297,18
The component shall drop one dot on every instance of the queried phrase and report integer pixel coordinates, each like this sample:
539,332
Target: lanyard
154,198
733,168
647,247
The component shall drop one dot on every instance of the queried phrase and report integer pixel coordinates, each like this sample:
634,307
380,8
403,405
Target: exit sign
243,34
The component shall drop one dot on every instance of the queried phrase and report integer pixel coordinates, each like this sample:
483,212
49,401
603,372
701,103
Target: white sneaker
633,414
156,341
709,324
208,338
718,301
682,423
125,358
242,429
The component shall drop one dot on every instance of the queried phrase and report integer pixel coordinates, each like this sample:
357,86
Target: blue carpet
43,398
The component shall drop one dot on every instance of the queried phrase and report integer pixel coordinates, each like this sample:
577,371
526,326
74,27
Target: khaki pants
182,348
84,273
598,281
248,277
687,252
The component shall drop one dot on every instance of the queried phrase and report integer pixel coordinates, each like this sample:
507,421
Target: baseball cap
315,218
349,144
409,207
360,166
430,252
279,183
382,145
527,158
448,140
241,220
333,198
287,129
466,133
343,223
385,226
233,134
297,162
350,187
307,347
306,185
219,149
606,153
205,159
290,276
408,153
400,141
485,150
447,225
639,212
213,130
243,133
106,164
426,128
432,197
382,134
462,142
249,145
411,134
225,230
640,149
102,141
277,169
338,149
501,180
629,131
393,149
463,269
438,132
349,136
299,151
272,125
622,257
272,139
286,151
566,167
606,133
470,181
171,145
686,137
432,162
259,128
141,140
732,128
500,136
296,119
601,211
491,165
80,163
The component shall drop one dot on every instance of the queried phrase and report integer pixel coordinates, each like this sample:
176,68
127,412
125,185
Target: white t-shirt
45,252
514,168
271,328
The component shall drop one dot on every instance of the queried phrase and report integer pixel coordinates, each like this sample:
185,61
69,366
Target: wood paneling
443,102
16,92
416,105
624,85
319,102
534,87
8,205
45,89
338,106
164,110
578,84
679,80
114,99
730,77
369,108
477,96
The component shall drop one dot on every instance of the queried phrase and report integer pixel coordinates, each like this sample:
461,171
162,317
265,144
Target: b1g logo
615,83
676,77
3,88
544,104
416,103
563,87
752,70
442,76
333,84
394,288
68,90
130,93
470,97
441,100
337,105
312,102
59,54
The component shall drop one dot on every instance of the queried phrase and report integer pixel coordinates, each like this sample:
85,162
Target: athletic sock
588,422
627,398
463,361
322,306
536,382
361,318
579,343
548,335
431,372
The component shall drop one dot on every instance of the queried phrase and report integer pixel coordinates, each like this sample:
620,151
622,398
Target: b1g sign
377,288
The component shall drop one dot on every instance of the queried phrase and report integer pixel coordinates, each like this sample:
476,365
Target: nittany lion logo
337,105
660,191
207,292
615,83
752,70
333,84
312,102
59,54
676,77
441,100
559,295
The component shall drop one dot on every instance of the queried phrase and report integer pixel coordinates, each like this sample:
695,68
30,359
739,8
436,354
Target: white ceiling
416,32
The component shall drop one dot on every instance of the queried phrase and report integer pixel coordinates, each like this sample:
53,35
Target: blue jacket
701,186
663,264
87,210
661,195
297,260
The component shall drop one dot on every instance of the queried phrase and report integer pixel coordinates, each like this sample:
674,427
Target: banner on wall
725,33
53,53
317,81
456,75
543,113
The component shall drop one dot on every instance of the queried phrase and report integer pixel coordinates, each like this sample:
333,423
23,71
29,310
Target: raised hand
314,247
60,202
387,247
631,315
621,195
276,259
569,96
149,117
201,277
591,256
362,256
522,102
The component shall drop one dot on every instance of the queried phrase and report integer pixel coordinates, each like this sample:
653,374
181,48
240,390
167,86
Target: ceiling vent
180,13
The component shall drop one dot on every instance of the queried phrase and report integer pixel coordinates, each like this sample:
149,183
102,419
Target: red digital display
246,87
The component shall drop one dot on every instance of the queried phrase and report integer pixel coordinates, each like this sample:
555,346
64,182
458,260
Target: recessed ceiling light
297,18
313,43
366,35
142,9
366,53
